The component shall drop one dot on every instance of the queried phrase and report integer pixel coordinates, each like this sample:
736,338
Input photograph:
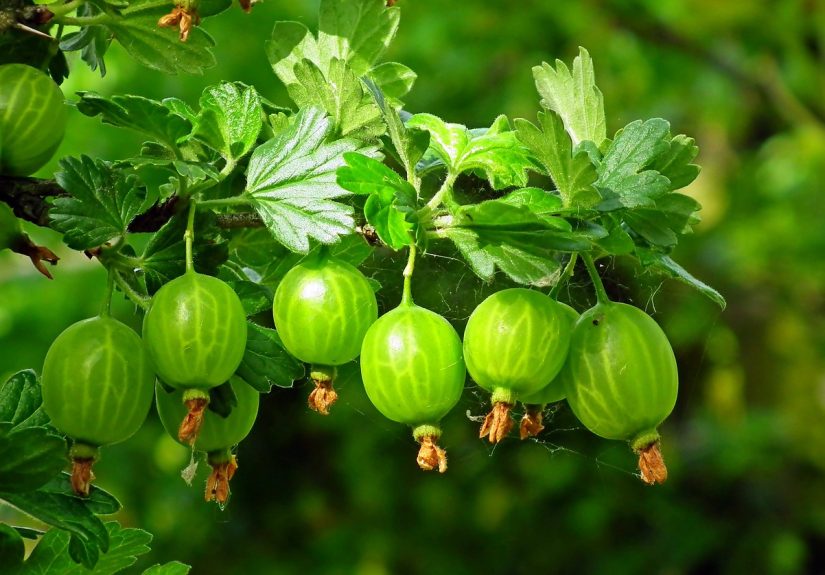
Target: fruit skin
195,332
216,432
554,391
516,340
97,382
33,117
621,376
412,365
322,310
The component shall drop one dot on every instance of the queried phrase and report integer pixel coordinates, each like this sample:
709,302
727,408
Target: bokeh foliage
746,447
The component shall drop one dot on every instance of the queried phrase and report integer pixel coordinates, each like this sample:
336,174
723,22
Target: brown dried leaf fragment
323,396
182,18
217,485
82,476
531,422
190,427
498,423
431,456
652,464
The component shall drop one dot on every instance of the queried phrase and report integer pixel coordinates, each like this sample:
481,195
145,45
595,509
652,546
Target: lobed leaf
496,151
102,204
291,182
53,553
391,205
355,31
21,401
230,119
341,94
161,48
29,457
574,96
573,174
625,177
148,117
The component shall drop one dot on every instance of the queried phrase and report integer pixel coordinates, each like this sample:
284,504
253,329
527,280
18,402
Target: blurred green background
746,445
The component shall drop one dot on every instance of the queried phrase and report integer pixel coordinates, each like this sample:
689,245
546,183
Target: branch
29,199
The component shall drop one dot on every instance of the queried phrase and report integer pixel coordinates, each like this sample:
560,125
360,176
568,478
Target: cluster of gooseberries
612,363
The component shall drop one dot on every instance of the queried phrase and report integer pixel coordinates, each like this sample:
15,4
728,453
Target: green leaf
391,205
574,97
92,41
341,94
255,297
290,43
52,504
291,182
675,164
171,568
573,174
495,151
617,242
222,399
148,117
671,216
356,31
393,79
230,119
20,401
538,201
103,202
52,554
160,48
624,177
265,362
29,457
410,144
12,548
164,257
519,265
662,264
511,237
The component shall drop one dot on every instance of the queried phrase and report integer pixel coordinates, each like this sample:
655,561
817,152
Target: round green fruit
322,310
195,332
32,119
97,388
413,372
621,379
532,422
217,433
554,391
515,343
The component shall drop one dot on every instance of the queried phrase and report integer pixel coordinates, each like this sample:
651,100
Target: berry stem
566,274
406,298
601,293
189,236
106,306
